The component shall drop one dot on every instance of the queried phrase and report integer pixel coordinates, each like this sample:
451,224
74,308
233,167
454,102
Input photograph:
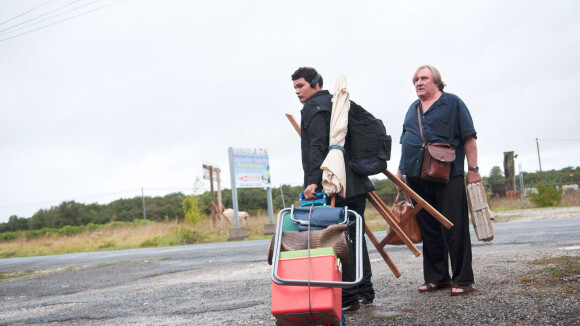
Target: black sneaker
351,307
367,300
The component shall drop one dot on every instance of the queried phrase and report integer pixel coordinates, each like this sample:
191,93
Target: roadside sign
251,168
206,172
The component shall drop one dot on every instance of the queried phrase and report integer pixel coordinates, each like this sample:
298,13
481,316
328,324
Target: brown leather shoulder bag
437,158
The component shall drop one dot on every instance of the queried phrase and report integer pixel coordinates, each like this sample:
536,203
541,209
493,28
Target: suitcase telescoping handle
318,283
318,200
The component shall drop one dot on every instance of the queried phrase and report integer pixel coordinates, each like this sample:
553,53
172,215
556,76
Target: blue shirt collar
442,100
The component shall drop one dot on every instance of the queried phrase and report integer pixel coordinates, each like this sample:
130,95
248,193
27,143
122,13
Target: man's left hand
473,177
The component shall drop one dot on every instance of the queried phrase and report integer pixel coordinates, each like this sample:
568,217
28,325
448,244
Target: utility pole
522,187
284,203
143,200
540,161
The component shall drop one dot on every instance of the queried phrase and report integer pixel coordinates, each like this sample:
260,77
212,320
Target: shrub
184,236
7,254
547,195
9,236
191,209
108,244
69,230
151,242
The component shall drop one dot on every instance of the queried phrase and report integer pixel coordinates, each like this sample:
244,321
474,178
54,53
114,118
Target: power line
34,18
559,139
45,19
61,21
495,149
31,10
515,146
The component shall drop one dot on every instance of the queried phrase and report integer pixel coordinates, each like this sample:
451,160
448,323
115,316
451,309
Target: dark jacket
315,127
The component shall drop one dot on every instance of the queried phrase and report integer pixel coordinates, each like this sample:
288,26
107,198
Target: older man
444,119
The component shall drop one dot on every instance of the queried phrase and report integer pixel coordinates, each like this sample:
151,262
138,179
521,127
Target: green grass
15,274
554,276
111,264
32,234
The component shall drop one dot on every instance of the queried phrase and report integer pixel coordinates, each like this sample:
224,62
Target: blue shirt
447,121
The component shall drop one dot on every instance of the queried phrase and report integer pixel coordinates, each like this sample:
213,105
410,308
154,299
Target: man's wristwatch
474,168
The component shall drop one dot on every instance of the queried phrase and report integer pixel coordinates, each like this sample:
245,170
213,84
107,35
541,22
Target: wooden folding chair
387,214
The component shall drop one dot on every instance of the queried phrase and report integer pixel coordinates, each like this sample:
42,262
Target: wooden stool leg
382,252
420,201
389,217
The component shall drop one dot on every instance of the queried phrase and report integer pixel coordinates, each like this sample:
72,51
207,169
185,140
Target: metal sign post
270,212
234,192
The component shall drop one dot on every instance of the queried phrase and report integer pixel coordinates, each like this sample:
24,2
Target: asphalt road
220,254
209,284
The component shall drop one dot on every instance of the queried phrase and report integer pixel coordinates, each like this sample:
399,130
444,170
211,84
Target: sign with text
251,168
206,172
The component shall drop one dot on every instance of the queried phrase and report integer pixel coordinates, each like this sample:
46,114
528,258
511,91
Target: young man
315,127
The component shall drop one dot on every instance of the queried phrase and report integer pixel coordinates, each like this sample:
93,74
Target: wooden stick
389,217
383,253
419,200
294,123
220,213
404,221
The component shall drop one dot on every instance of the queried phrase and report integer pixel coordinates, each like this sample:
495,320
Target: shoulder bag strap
420,126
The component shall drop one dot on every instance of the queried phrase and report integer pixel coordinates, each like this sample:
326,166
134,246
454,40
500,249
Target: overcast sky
141,93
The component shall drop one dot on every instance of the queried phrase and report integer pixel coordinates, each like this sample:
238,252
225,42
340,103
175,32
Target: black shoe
351,307
367,300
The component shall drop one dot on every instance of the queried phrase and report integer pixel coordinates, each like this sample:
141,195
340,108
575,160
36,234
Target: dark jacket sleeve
318,138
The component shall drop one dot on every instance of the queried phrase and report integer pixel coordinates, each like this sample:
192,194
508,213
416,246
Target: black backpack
367,145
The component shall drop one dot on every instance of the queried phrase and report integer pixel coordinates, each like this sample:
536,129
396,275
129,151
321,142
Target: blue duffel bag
321,217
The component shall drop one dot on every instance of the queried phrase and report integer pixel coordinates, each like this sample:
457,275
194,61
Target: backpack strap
319,108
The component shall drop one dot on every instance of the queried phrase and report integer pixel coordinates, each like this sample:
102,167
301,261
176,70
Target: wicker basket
481,215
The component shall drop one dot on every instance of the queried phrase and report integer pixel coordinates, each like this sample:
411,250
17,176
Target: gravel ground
166,292
502,298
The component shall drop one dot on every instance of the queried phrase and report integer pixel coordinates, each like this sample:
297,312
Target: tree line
567,175
251,200
161,208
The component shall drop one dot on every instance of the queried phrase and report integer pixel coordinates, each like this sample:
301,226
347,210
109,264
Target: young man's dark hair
309,74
